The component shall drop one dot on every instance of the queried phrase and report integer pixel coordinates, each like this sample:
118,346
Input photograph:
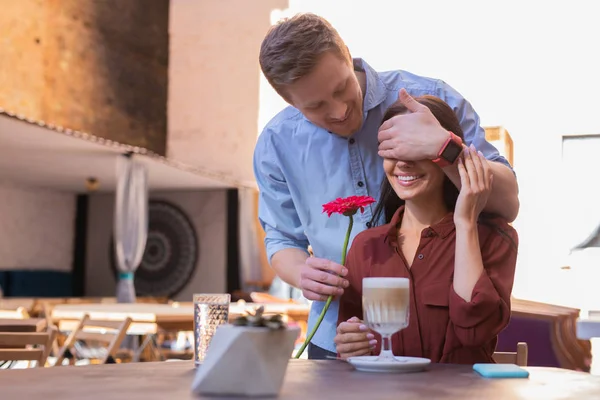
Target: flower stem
330,298
345,248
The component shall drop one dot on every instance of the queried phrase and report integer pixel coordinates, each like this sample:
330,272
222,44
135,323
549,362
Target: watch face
451,152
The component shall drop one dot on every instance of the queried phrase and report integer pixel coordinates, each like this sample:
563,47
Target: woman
460,264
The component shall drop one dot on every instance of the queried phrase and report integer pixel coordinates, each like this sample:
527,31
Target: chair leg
70,340
522,354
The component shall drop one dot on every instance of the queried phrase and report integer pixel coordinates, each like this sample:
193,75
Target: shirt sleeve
469,122
480,320
276,210
351,301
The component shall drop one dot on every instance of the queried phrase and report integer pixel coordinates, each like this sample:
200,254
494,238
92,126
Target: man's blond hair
293,47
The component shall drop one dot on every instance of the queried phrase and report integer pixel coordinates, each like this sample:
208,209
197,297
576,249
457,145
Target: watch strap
443,161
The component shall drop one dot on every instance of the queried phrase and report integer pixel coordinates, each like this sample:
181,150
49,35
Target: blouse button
420,256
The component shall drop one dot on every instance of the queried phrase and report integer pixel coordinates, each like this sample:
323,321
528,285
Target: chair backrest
110,333
16,346
519,357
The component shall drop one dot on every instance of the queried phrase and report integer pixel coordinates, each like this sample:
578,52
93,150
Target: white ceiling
36,155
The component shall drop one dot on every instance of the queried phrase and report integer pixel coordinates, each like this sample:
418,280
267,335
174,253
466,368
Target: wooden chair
519,358
110,333
47,311
551,332
17,346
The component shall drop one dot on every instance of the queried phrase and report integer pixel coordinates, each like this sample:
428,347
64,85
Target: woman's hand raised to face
476,185
354,339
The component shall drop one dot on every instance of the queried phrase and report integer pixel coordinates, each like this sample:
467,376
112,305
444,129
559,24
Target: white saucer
401,365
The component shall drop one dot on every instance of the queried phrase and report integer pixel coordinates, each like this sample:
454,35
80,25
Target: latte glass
386,305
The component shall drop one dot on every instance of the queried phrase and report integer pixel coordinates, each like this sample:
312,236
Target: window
578,188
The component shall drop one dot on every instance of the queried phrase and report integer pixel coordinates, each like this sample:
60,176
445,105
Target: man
326,145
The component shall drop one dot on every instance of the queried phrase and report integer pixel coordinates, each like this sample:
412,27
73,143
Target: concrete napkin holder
245,361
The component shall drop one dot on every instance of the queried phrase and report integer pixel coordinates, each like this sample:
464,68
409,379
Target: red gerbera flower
348,206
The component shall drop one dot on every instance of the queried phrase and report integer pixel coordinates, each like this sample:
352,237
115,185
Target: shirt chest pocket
434,315
436,294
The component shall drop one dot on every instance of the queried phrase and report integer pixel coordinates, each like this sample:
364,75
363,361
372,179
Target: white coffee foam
387,283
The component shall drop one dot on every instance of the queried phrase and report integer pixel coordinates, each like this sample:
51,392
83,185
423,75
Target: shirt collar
376,90
442,229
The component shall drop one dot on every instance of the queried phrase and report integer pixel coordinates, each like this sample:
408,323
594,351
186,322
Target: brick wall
99,66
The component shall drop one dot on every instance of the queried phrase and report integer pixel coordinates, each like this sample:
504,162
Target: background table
305,379
171,317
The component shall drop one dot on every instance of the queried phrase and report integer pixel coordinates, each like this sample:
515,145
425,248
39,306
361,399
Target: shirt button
351,140
368,224
360,184
420,256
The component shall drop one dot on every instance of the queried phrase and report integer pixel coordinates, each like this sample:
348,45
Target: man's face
330,96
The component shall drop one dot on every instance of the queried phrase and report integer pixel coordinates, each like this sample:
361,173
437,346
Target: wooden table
22,325
304,380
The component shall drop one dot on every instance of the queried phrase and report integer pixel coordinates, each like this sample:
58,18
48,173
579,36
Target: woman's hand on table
354,339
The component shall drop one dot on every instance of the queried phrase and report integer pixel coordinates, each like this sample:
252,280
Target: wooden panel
501,139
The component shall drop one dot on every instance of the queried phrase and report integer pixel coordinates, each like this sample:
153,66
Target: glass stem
386,348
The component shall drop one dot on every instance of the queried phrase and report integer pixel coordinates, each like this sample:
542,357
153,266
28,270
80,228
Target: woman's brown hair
389,202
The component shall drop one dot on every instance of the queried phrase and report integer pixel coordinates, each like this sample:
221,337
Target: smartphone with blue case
500,371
